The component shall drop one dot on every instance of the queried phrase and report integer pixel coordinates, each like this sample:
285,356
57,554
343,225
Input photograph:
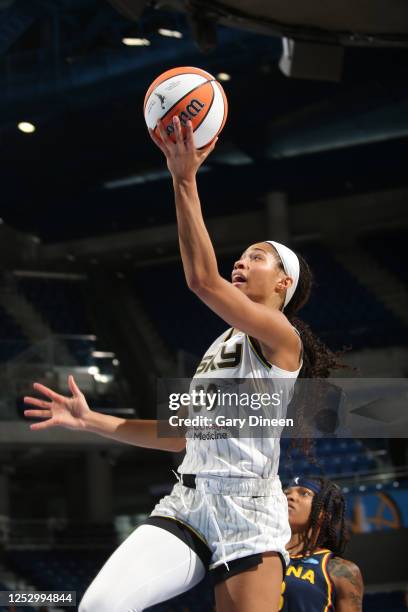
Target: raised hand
183,159
60,411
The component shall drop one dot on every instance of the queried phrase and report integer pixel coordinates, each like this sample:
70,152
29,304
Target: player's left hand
183,159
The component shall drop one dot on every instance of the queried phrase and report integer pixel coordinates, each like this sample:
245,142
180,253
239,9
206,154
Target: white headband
290,263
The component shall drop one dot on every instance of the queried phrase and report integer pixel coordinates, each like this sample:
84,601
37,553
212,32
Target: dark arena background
314,154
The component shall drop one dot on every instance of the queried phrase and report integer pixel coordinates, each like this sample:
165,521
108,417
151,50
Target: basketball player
228,512
318,579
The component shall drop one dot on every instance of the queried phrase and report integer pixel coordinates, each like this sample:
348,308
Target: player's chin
292,513
240,285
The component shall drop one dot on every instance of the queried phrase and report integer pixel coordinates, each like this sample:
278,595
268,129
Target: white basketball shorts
235,518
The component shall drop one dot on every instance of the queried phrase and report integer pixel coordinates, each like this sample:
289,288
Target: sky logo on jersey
311,561
227,359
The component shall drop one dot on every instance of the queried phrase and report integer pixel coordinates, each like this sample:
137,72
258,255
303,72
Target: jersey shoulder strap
301,342
229,334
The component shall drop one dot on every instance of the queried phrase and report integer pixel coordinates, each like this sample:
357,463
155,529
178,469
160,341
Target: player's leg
256,589
150,566
255,551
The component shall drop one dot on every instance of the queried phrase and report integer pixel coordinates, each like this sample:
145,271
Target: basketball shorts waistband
218,485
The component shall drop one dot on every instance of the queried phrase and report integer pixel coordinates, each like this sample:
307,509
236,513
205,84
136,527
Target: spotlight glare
170,33
136,42
223,76
26,127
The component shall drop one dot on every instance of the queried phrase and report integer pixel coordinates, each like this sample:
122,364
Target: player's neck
296,544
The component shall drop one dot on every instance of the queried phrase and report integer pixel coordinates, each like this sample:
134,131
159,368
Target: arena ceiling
63,67
350,22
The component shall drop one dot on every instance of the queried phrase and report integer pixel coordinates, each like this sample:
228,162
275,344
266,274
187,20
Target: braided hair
329,530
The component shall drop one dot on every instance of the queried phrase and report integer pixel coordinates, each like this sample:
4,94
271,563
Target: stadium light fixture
136,42
170,33
26,127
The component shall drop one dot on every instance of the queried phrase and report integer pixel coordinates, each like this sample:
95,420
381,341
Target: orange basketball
191,94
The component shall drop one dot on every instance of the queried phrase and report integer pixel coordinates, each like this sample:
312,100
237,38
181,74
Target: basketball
191,94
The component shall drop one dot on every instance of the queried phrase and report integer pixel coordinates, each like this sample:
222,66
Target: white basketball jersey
235,356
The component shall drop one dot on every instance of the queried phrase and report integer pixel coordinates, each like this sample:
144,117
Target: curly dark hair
329,530
318,360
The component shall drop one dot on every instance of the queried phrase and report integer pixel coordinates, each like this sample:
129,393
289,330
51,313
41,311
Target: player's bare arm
349,584
197,252
73,413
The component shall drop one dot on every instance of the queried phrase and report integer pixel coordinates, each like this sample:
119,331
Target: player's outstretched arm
197,252
74,413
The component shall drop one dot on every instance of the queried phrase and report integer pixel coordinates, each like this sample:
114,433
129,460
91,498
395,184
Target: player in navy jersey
318,579
228,512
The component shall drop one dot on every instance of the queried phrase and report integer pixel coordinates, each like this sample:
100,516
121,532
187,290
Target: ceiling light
170,33
26,127
102,354
136,42
103,378
223,76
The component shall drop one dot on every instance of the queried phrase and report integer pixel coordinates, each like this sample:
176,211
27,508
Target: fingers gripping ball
191,94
